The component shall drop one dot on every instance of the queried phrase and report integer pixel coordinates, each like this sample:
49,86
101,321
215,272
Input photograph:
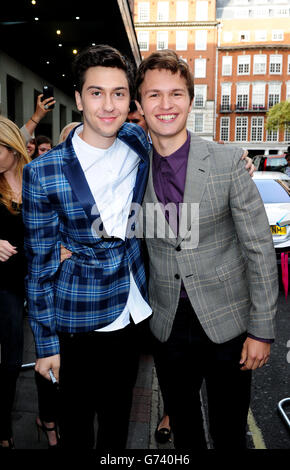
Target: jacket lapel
138,147
196,177
78,182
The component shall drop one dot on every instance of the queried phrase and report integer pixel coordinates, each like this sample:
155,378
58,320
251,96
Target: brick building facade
253,70
239,52
190,28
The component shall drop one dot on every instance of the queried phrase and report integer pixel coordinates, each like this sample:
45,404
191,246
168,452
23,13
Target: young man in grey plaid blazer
85,311
213,283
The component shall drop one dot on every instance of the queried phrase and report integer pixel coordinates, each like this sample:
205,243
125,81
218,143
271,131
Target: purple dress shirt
169,175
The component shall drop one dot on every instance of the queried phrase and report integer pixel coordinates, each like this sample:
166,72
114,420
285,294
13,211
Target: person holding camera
43,106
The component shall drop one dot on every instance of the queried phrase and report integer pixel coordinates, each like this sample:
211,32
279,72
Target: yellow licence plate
276,230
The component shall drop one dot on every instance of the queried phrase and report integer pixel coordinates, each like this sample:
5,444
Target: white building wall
30,82
208,120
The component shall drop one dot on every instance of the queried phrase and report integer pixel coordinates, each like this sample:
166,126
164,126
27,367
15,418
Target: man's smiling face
105,102
166,103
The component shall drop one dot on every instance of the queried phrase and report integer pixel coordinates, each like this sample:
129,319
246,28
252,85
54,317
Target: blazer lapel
196,177
78,182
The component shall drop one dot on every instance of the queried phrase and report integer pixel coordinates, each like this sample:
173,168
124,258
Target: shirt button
177,276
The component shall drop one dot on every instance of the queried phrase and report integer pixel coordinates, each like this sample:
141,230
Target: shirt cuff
263,340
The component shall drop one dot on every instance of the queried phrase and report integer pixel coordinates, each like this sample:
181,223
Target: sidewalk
146,410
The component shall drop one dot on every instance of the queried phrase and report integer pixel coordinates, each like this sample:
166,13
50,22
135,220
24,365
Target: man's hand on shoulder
44,364
249,164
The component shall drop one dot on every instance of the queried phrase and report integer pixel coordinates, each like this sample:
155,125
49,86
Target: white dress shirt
111,175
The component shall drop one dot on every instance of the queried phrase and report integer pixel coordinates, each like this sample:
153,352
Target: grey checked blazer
231,276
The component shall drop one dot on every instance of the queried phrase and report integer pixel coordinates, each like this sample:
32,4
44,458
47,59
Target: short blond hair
66,130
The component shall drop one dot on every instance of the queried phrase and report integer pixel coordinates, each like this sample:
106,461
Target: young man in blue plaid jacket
85,311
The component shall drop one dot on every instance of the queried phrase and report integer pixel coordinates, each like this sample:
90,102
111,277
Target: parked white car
274,188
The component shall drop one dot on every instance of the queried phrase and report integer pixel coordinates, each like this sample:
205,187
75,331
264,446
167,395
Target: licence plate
276,230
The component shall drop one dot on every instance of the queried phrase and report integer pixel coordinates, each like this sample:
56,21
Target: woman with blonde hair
13,157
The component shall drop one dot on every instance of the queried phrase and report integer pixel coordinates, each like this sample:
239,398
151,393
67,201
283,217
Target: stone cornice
254,46
176,24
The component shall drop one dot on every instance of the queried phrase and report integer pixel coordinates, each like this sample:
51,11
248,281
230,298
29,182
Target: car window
267,163
274,162
272,191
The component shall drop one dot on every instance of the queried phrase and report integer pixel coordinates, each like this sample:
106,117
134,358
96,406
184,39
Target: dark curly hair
104,56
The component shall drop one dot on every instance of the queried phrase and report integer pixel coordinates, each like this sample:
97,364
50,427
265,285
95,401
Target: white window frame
181,40
260,35
274,91
226,90
287,135
241,12
281,11
225,129
259,12
182,11
257,128
244,36
144,12
200,68
162,37
242,128
287,91
272,136
198,125
201,40
244,65
200,92
242,96
260,64
277,35
201,13
276,60
143,38
227,65
258,95
162,11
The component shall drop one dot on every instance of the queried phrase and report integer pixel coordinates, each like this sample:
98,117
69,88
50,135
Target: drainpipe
215,115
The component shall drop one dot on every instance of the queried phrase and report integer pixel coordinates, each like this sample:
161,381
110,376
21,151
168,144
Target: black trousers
11,346
48,399
97,375
182,363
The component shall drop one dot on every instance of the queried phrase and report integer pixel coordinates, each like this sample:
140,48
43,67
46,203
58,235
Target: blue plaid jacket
89,290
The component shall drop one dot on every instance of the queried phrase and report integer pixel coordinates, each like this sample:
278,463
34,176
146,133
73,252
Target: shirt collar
176,159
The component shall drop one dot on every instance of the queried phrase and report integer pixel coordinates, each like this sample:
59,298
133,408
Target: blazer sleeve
42,247
252,227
